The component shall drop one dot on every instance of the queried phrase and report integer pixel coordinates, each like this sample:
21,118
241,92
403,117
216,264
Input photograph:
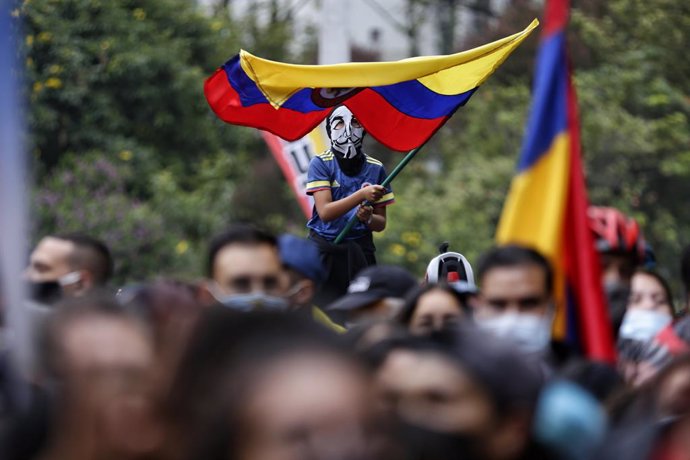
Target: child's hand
364,213
373,193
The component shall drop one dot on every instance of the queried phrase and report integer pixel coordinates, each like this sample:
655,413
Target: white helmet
452,268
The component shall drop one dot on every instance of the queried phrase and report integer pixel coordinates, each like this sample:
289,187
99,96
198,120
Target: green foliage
117,86
127,149
122,75
454,190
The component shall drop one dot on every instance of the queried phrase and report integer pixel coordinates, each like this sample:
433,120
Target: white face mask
530,333
346,132
69,279
643,325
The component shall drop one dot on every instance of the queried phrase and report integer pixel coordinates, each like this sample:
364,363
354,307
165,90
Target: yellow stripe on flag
533,215
449,74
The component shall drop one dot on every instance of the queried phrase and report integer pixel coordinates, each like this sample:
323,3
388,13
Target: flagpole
398,168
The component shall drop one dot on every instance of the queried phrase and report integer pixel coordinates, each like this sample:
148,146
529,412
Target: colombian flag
401,104
547,204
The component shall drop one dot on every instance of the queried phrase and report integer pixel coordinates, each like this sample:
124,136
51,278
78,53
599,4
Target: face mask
45,292
531,333
346,132
643,325
426,443
569,420
253,301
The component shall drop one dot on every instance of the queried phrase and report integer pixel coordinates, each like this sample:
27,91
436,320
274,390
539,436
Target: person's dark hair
486,362
244,234
90,254
685,270
73,309
664,284
227,352
600,379
412,299
515,256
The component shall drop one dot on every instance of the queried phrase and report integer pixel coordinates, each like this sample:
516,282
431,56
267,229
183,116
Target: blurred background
125,148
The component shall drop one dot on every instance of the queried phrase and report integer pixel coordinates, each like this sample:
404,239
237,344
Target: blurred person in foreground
377,293
457,396
656,423
515,302
621,247
69,265
244,270
271,386
97,360
171,310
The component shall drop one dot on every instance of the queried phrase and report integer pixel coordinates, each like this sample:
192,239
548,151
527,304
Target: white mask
530,333
643,325
346,132
69,279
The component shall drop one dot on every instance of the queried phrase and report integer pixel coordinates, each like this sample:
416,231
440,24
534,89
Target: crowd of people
250,364
294,348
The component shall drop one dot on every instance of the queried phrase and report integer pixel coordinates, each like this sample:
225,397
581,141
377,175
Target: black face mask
350,166
45,292
426,444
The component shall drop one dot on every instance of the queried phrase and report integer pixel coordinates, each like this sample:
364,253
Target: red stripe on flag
583,266
555,16
399,132
288,124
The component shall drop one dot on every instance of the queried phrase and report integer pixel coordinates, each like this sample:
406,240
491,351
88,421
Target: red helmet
615,232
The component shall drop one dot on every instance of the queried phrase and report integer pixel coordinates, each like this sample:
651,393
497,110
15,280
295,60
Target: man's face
243,269
309,407
427,389
50,260
518,289
105,367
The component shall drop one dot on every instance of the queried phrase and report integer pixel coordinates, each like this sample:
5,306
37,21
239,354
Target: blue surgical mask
569,420
253,301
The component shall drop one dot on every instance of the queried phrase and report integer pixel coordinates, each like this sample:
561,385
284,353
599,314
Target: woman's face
647,293
309,406
436,310
427,389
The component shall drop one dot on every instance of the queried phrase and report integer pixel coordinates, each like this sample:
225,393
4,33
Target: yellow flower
181,247
29,40
45,37
55,68
29,62
38,87
411,238
412,257
126,155
139,14
216,25
398,249
53,83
